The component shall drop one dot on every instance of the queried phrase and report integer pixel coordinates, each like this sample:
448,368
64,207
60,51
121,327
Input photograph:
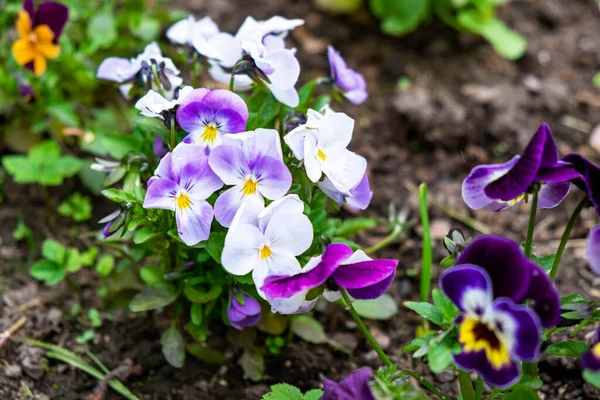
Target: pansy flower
338,267
182,183
593,249
114,221
358,198
159,148
251,162
243,315
494,335
207,115
154,105
322,144
590,360
39,31
354,386
139,71
500,186
351,83
260,239
513,276
588,179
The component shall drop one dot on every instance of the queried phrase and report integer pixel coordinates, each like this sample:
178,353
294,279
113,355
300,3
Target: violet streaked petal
228,203
251,306
360,195
552,194
373,291
53,14
364,273
590,177
473,187
550,151
287,286
193,222
593,249
199,180
195,96
194,116
545,296
560,172
477,361
229,163
161,194
468,286
229,121
221,99
274,178
505,263
520,326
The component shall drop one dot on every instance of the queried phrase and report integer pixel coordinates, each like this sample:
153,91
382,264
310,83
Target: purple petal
111,69
227,205
29,6
374,291
505,263
477,361
164,169
159,148
229,121
560,172
361,195
545,296
235,315
248,321
194,116
552,194
193,222
221,99
593,249
195,96
591,359
354,386
525,330
462,285
199,180
161,194
53,14
251,306
229,163
473,187
363,274
590,177
274,178
287,286
550,152
518,179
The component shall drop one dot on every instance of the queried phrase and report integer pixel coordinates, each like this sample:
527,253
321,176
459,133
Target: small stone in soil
13,371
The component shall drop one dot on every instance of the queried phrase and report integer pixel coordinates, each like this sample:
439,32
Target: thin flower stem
531,227
565,236
530,368
425,384
231,82
466,385
385,241
363,328
172,138
427,255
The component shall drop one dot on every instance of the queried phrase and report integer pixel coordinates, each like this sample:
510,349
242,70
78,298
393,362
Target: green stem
530,368
363,328
172,137
425,384
565,237
231,82
466,385
385,241
157,83
427,256
531,227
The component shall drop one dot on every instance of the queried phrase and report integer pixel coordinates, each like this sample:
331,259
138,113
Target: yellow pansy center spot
321,155
183,201
264,252
596,350
476,335
250,186
516,199
210,132
35,44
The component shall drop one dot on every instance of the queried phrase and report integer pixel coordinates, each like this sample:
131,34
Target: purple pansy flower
114,221
207,115
362,277
353,387
358,198
159,148
242,316
589,178
590,360
182,183
500,186
514,276
252,162
593,249
351,83
495,335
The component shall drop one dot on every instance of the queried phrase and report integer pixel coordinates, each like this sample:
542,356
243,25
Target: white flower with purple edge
358,198
182,183
322,144
251,162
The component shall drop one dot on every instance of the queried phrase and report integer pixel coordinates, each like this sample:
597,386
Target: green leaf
426,310
102,30
206,354
253,364
77,206
148,29
196,313
263,107
47,271
381,308
305,94
118,196
283,391
144,235
546,262
444,306
151,298
308,329
53,173
439,356
54,251
72,261
202,293
400,17
353,226
570,348
173,347
94,317
64,112
21,169
592,377
152,276
313,394
105,265
215,245
85,337
596,80
521,393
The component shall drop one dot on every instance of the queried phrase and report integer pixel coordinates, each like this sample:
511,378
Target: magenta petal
287,286
220,99
194,116
53,14
364,273
374,291
593,249
229,121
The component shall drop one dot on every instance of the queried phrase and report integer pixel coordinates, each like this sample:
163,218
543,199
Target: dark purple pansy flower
159,148
589,179
50,13
207,115
351,83
353,387
591,359
593,249
503,185
514,276
244,315
365,279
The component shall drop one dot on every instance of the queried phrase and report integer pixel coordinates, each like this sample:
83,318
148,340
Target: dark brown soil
465,106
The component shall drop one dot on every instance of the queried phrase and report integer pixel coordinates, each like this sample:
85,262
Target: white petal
248,213
335,131
181,31
220,75
241,251
331,295
357,256
289,204
345,169
222,47
289,233
289,97
286,69
311,164
152,104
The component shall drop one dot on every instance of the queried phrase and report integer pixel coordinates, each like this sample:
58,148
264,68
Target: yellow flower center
210,132
250,186
516,199
596,350
183,201
475,335
265,252
321,155
35,44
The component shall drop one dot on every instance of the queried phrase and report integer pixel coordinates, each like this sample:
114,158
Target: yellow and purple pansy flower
39,31
590,360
